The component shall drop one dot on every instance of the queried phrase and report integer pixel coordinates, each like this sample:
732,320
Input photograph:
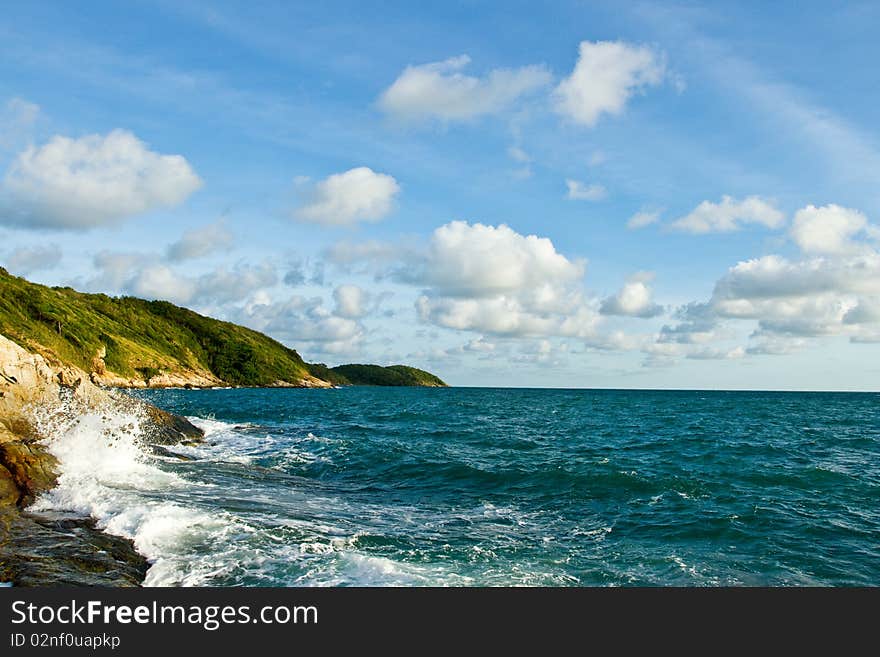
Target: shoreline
38,398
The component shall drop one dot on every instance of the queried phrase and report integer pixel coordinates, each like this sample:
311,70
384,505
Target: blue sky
571,194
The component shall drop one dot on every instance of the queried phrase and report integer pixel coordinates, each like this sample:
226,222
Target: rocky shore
37,392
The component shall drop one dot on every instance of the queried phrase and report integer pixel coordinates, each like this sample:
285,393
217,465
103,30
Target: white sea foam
105,474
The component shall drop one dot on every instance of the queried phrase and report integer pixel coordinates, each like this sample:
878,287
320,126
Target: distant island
128,342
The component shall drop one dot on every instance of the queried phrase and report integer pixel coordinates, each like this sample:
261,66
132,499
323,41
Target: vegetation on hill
140,339
394,375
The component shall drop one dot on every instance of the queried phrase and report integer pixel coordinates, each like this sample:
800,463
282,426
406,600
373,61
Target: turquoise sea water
459,486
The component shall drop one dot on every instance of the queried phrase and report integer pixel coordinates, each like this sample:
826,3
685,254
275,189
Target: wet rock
39,551
52,551
169,429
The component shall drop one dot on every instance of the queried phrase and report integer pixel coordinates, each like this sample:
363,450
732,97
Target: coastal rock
65,551
168,429
200,379
27,466
32,382
34,390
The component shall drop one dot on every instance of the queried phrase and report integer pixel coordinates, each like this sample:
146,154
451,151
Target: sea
369,486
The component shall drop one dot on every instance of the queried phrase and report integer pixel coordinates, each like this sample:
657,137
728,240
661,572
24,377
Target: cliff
133,343
37,392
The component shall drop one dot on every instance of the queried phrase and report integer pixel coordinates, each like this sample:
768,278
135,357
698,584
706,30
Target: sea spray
106,473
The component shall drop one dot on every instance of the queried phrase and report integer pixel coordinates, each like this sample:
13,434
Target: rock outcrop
37,550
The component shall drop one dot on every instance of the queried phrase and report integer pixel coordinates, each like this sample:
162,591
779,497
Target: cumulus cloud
344,199
480,346
634,299
748,285
833,291
697,327
115,268
478,260
642,219
301,272
224,285
24,260
95,180
441,90
606,76
866,311
494,280
304,321
578,191
352,302
827,230
161,282
143,275
200,242
729,215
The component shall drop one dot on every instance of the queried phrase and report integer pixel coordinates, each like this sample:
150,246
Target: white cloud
142,275
746,285
828,229
91,181
352,302
793,303
344,199
642,219
715,353
775,346
24,260
161,282
634,299
300,272
493,280
866,311
578,191
478,260
115,268
441,91
729,215
480,345
229,285
615,341
300,320
200,242
605,77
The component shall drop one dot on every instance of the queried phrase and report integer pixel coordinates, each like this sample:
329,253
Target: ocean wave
105,473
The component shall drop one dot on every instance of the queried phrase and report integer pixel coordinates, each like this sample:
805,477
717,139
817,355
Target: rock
34,550
28,466
63,550
29,381
169,429
9,493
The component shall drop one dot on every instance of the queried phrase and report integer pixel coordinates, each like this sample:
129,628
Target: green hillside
142,339
394,375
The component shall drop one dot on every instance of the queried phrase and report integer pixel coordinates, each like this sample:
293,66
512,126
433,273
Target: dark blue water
371,486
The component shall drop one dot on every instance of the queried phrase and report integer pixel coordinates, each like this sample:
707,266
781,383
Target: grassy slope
144,337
